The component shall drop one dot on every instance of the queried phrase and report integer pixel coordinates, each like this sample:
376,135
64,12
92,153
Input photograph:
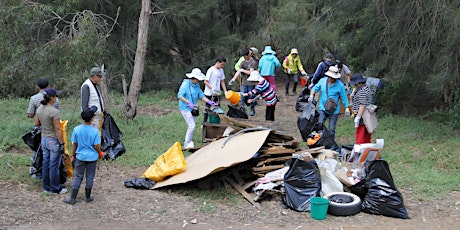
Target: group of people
44,107
332,79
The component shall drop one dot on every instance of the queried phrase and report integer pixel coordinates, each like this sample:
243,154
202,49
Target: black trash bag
302,99
326,139
62,171
307,120
111,138
114,151
37,160
139,183
33,138
301,182
382,197
237,111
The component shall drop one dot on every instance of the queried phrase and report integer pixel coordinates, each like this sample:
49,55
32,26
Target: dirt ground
117,207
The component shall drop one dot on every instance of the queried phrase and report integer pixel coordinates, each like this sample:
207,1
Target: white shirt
214,76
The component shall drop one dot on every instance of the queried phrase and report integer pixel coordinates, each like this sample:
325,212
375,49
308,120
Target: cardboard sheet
216,156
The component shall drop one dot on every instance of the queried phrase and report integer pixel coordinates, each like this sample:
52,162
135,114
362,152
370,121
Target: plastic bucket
318,208
303,82
232,97
214,119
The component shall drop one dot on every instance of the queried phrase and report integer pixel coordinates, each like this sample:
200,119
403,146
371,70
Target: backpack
327,68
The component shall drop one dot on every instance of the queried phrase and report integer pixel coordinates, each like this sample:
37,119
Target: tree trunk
129,109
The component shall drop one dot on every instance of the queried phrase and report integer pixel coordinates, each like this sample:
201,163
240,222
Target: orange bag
168,164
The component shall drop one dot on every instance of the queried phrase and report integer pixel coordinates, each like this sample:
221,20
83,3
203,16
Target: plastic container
214,119
232,97
318,208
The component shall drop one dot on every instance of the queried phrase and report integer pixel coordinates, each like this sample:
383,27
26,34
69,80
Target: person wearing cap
246,67
292,66
188,95
35,100
91,95
361,98
267,64
52,142
214,82
86,150
321,69
253,51
335,90
263,89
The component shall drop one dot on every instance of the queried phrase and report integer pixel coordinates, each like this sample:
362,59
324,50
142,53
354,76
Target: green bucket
318,208
214,119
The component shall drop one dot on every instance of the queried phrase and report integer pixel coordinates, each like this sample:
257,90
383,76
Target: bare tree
131,97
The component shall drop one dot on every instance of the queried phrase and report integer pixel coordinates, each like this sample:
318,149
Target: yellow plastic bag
169,163
66,156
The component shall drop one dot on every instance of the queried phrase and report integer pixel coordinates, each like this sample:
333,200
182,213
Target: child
265,90
86,150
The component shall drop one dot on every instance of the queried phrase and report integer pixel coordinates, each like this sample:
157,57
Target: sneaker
189,145
63,191
287,93
252,113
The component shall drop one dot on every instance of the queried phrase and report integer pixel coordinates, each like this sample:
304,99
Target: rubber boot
88,195
73,195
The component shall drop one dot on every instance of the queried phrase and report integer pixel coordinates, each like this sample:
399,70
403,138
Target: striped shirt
266,91
362,96
35,100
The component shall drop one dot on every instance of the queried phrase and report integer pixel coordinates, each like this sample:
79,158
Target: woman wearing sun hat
267,64
336,91
49,118
265,90
188,95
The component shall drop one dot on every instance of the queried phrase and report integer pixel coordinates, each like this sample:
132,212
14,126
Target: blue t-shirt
86,136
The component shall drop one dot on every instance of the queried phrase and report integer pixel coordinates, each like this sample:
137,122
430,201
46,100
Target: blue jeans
80,168
323,115
245,89
50,167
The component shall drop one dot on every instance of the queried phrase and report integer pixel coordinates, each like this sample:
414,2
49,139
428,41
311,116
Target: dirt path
118,207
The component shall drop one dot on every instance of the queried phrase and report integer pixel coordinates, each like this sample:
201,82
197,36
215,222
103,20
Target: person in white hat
265,90
331,88
292,66
188,95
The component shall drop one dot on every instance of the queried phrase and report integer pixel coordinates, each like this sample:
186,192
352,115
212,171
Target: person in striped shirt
35,100
265,90
361,98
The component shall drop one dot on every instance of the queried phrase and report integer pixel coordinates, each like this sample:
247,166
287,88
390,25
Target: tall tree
132,97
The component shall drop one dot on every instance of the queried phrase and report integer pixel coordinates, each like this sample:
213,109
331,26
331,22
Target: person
52,141
253,51
345,75
263,89
361,98
292,65
189,92
246,67
330,87
214,81
86,150
35,100
91,95
267,64
321,69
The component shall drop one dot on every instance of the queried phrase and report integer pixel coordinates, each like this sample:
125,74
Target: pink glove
190,105
211,103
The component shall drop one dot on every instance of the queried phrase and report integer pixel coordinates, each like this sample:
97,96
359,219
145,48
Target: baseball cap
43,83
96,71
329,55
88,113
51,92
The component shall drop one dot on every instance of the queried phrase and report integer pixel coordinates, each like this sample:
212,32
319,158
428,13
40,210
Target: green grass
423,155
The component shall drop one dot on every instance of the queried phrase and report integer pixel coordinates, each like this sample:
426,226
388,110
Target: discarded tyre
343,203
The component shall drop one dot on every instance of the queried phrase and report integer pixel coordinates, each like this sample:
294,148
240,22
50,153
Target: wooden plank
237,176
274,159
243,192
277,151
267,168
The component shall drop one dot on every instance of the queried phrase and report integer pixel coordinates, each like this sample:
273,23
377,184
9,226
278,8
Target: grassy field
423,156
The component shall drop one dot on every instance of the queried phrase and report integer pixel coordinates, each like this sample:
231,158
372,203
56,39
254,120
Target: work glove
357,119
231,82
310,98
311,86
190,105
289,71
347,113
101,154
61,148
304,73
211,103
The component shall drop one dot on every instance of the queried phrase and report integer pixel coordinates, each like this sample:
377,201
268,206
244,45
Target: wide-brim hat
294,51
196,73
333,72
268,50
255,76
357,78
